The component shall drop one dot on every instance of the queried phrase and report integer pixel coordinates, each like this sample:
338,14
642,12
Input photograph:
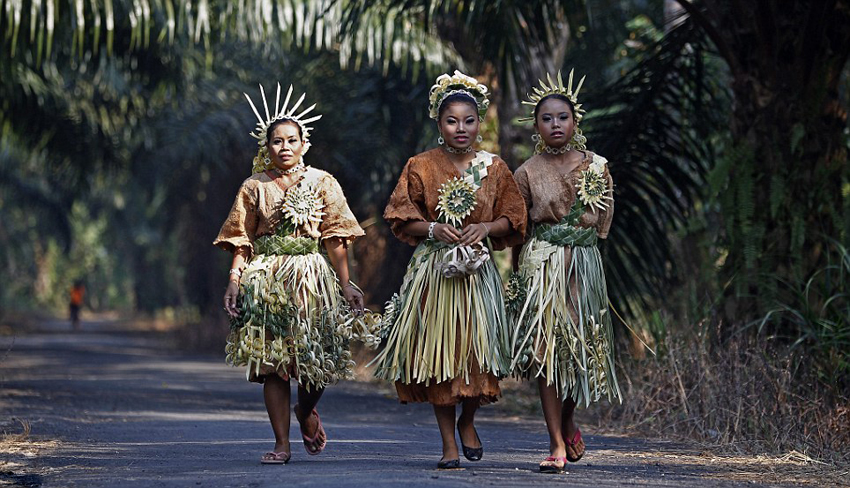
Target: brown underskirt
483,386
265,370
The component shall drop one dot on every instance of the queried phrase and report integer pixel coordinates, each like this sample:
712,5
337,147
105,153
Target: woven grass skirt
563,325
440,330
294,321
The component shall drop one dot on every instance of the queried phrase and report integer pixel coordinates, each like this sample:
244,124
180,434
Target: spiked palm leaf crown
555,87
281,112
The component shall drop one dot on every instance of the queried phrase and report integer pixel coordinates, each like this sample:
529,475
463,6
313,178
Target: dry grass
9,438
792,467
18,449
742,401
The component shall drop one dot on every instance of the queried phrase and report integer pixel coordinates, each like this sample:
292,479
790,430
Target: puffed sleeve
407,204
509,203
521,178
241,225
338,220
603,225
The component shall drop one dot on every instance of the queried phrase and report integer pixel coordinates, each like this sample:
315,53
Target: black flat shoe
472,453
450,464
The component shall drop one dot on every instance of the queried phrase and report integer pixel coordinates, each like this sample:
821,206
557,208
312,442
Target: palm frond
656,130
513,37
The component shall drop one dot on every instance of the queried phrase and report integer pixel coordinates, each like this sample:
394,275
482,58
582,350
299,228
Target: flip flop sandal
573,443
272,457
311,441
553,465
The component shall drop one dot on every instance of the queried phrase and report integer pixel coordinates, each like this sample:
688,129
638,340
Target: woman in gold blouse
291,308
558,299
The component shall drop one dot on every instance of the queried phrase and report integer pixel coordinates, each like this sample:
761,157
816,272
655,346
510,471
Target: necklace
452,150
294,169
558,150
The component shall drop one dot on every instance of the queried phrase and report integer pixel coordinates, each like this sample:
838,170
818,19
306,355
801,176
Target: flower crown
555,89
458,83
262,161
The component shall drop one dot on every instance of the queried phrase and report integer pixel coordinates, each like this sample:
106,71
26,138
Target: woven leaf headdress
447,85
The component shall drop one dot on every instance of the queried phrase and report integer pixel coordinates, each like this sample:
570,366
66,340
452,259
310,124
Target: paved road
127,411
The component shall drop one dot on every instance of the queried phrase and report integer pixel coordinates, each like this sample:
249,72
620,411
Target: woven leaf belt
285,245
566,234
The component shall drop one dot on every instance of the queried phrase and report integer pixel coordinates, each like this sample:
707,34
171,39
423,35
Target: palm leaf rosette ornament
303,205
516,292
592,185
456,201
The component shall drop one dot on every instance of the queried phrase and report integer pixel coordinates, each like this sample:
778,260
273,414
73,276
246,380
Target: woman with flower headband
291,310
448,339
558,299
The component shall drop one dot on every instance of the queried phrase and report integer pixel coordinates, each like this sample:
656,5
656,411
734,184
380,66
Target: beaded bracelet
431,230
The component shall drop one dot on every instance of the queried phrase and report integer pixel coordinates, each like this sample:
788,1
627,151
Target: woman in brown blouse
448,339
290,306
558,298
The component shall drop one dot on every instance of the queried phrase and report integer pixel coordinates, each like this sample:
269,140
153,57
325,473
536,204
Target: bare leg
276,394
569,429
466,423
446,422
307,401
552,412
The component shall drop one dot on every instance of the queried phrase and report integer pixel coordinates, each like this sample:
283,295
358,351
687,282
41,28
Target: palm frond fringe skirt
563,325
446,338
294,321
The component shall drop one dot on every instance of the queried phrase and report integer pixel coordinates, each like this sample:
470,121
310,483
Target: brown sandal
310,442
272,457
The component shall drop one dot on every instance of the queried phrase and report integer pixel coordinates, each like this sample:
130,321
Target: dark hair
456,98
281,122
556,96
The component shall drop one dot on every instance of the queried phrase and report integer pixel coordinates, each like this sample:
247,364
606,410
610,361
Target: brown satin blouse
549,194
415,197
257,210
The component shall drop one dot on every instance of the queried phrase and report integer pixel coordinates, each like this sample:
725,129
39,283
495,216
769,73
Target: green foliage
510,35
108,281
656,126
814,316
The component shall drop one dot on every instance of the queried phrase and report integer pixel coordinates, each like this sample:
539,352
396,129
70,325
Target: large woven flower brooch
592,185
456,201
303,205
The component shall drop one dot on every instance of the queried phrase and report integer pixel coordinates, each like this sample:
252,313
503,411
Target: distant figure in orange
78,292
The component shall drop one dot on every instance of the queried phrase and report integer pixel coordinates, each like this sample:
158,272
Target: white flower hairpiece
447,85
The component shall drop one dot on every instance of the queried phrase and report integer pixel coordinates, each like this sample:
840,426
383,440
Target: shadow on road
127,410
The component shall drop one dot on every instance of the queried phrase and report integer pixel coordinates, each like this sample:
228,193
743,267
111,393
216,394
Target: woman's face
285,146
459,125
555,122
